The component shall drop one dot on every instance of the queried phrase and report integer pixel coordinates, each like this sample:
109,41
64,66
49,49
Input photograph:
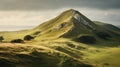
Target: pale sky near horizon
34,12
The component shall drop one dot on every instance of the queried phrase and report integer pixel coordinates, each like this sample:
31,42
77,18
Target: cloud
107,16
56,4
25,18
34,12
34,18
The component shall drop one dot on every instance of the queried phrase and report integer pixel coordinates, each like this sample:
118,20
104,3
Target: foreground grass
99,55
24,55
104,57
59,52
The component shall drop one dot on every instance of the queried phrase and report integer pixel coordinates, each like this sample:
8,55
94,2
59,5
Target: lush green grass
24,55
57,51
104,57
55,45
99,55
8,36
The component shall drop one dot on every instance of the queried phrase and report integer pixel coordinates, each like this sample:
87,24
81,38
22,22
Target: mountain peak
71,10
81,19
69,23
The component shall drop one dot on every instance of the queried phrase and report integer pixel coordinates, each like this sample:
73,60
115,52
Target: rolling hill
68,40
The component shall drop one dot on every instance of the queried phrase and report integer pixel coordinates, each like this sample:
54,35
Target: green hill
69,24
68,40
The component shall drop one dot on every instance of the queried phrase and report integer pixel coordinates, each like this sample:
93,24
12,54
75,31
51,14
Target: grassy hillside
8,36
106,57
69,40
24,55
59,53
69,24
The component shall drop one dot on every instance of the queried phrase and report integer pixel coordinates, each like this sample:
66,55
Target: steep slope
73,24
70,23
57,26
106,26
110,29
81,25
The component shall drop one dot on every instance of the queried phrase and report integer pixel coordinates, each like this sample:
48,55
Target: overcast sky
34,12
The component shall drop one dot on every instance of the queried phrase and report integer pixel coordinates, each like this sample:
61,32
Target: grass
54,45
8,36
104,57
35,56
58,52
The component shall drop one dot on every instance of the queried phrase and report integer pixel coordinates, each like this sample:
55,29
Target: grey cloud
55,4
46,5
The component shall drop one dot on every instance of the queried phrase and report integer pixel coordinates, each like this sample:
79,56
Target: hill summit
73,24
70,22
